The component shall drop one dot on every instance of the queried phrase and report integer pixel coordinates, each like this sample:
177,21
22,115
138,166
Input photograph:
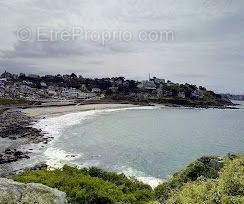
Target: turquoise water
147,143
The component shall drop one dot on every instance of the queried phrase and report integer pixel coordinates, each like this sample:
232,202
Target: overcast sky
206,47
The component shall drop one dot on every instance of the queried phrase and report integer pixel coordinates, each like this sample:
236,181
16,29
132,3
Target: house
3,81
147,85
159,92
28,83
52,92
70,93
142,96
73,93
24,87
43,84
41,92
114,89
83,87
87,95
126,84
66,77
168,93
198,94
157,80
119,81
96,90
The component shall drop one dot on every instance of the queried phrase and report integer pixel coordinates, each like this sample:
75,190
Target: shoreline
38,112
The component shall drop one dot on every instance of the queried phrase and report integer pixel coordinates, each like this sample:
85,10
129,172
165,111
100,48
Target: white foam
141,176
57,158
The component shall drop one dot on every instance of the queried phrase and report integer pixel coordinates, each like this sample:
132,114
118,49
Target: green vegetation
91,185
10,102
208,180
207,167
209,100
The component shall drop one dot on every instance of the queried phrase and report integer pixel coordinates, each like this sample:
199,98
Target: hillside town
63,88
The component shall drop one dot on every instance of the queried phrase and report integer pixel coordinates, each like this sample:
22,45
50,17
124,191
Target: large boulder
16,193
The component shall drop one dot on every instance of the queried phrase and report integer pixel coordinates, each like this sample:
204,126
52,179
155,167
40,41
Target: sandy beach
46,111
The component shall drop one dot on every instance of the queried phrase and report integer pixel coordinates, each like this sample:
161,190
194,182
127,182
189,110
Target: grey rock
15,124
11,155
12,192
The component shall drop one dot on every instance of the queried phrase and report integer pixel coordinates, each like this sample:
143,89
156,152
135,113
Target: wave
57,158
141,176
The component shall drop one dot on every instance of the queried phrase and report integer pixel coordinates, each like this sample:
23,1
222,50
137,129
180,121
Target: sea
148,143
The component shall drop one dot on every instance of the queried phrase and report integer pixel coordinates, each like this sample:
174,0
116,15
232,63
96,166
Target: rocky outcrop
15,124
15,193
12,155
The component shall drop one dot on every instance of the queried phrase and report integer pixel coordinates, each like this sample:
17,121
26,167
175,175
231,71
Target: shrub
228,188
205,167
91,185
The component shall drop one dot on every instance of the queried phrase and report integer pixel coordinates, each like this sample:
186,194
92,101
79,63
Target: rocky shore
16,127
12,155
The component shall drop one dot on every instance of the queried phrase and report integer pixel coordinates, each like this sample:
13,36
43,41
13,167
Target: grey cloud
45,49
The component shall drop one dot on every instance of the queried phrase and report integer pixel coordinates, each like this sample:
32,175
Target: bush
91,185
228,188
205,167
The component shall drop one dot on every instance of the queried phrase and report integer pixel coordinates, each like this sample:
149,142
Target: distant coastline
34,90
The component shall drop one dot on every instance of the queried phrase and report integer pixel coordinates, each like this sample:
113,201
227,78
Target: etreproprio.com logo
44,34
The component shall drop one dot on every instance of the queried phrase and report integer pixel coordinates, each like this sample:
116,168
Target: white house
159,92
96,90
3,81
87,95
147,85
52,92
73,93
43,84
199,94
157,80
114,89
70,93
